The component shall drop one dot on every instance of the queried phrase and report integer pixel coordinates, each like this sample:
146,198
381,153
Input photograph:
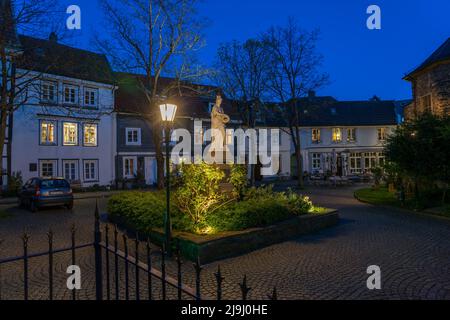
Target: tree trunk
298,157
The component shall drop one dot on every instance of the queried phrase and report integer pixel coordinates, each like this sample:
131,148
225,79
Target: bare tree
241,71
155,38
294,72
32,17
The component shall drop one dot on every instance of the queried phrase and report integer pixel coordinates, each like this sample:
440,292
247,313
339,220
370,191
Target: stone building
431,84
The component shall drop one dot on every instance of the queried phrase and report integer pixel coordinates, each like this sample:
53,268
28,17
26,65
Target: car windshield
54,184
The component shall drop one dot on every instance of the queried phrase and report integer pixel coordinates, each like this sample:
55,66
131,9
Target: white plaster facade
36,154
347,155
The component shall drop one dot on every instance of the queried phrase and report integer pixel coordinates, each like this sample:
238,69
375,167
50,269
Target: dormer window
70,94
337,135
315,135
351,135
90,97
49,90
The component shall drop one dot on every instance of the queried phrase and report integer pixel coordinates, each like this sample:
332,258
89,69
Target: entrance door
339,166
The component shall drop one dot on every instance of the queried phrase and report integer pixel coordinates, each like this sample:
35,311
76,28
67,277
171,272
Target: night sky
361,62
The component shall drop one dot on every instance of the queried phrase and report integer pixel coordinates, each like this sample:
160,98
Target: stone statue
219,119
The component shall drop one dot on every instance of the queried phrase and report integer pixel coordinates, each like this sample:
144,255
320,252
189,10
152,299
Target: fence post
25,239
98,256
1,242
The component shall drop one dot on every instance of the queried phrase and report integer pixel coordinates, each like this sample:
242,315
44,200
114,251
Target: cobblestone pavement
413,252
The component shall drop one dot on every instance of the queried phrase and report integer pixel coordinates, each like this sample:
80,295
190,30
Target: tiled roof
130,97
441,54
350,113
48,56
343,113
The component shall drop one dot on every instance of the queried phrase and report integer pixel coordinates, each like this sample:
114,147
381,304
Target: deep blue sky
360,62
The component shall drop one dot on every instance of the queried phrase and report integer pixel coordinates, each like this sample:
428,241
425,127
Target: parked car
46,192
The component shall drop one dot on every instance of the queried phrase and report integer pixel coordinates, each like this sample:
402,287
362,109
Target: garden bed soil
210,248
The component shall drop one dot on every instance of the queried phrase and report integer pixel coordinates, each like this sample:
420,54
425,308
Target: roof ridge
62,45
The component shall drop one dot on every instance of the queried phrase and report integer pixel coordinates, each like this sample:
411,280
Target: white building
66,126
346,138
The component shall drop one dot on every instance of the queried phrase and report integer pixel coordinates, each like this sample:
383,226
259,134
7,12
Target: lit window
70,94
90,135
129,167
90,170
48,132
337,135
316,161
133,136
70,132
49,91
315,135
90,97
351,134
47,168
70,168
382,132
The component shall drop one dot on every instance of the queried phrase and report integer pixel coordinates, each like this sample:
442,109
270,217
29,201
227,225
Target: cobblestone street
413,252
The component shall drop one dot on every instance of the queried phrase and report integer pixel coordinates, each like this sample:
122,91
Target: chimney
53,37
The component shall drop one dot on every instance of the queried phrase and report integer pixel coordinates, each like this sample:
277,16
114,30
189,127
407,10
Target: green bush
198,194
144,211
261,207
248,214
238,178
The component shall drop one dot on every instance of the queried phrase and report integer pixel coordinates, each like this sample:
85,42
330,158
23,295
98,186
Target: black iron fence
116,257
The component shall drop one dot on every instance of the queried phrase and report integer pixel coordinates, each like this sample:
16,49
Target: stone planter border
230,244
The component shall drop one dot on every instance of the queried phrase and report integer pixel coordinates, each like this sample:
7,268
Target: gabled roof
341,113
49,56
8,32
350,113
131,98
441,54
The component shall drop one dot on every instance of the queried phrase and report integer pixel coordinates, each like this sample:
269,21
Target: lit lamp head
168,112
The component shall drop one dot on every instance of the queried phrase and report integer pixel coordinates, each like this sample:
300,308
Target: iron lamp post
168,112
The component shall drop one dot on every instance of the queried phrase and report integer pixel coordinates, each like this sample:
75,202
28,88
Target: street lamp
168,112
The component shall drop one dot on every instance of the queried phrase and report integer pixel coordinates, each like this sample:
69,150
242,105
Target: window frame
382,137
47,101
54,162
55,132
96,92
333,130
77,134
316,132
354,137
316,157
97,169
139,137
84,134
77,169
77,94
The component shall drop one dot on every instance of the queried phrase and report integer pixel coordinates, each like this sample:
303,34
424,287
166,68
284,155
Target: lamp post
168,112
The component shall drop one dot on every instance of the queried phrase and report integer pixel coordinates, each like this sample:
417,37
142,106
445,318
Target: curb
14,200
418,213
